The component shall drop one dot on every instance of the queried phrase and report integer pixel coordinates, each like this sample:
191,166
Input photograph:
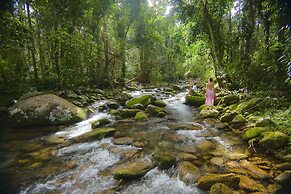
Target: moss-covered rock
144,100
132,170
141,116
123,97
100,122
206,181
123,141
128,113
238,121
249,184
154,110
44,110
165,160
264,122
251,104
188,172
112,105
209,112
219,188
253,132
230,99
99,133
228,116
194,100
138,106
254,169
159,103
273,140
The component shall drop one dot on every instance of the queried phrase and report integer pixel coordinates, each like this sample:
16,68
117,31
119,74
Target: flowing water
32,164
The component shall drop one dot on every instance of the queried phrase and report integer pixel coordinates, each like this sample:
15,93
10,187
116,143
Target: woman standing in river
210,93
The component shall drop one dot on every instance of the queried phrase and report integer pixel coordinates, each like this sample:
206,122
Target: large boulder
194,100
206,181
44,110
273,140
144,100
132,170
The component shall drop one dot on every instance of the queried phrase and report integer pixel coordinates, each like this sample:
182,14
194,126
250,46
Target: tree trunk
106,52
56,52
32,43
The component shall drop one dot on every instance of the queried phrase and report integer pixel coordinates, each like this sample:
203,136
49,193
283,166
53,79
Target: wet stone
123,141
217,161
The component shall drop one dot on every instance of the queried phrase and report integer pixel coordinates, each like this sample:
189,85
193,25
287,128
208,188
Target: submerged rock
188,173
123,141
206,181
44,110
132,170
165,160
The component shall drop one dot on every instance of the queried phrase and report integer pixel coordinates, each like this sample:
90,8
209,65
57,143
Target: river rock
238,121
158,103
96,134
186,157
284,177
165,160
187,126
251,104
194,100
217,161
154,110
128,113
249,184
205,146
144,100
123,141
138,106
112,105
255,169
273,140
123,97
264,122
188,173
100,122
206,181
228,116
141,116
287,158
132,170
253,132
209,112
284,166
219,188
230,99
44,110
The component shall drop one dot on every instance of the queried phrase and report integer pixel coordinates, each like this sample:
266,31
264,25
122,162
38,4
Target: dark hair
210,79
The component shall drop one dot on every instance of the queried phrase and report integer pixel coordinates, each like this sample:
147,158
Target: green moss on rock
194,100
144,100
273,140
253,132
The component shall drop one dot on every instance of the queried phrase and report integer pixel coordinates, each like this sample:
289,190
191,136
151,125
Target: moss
247,105
165,160
273,140
141,116
144,100
194,100
253,132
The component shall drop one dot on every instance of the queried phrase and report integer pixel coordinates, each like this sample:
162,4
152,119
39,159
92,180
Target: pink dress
210,95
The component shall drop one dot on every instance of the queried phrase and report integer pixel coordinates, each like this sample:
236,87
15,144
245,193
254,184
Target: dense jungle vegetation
49,44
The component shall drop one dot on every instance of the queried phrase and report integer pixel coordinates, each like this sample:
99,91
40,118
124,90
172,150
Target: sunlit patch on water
81,127
156,181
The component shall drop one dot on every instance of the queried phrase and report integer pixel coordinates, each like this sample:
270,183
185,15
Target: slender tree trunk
106,52
32,43
56,52
40,50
